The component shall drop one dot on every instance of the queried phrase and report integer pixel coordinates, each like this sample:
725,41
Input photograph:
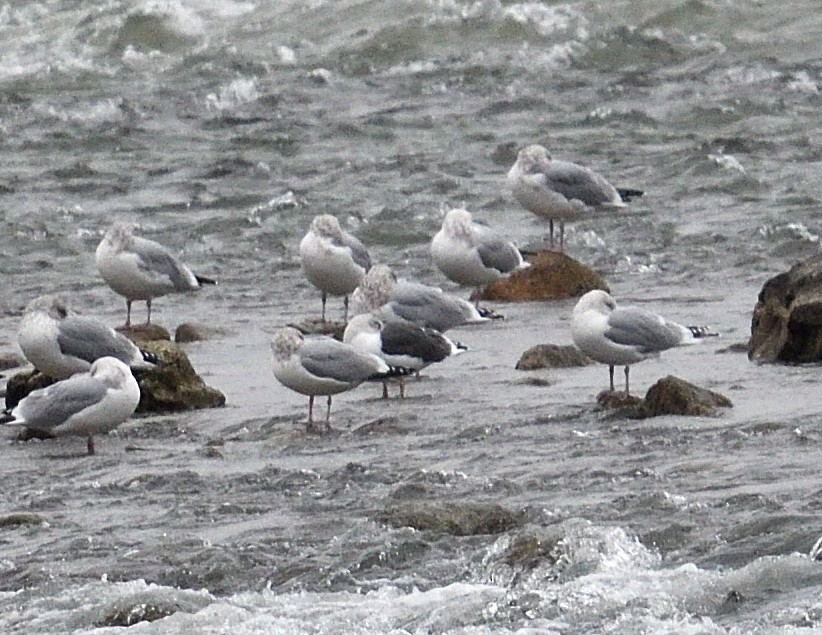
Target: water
222,128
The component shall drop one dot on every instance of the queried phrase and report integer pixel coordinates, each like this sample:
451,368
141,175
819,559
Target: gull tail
203,280
628,194
393,371
702,331
149,357
489,314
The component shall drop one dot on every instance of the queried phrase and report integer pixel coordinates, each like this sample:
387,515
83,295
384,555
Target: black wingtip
488,313
628,194
702,331
203,280
150,357
461,346
393,371
6,416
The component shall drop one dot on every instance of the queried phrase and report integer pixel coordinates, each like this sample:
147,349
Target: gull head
457,223
364,323
111,371
327,226
375,288
120,235
55,306
596,300
286,342
533,158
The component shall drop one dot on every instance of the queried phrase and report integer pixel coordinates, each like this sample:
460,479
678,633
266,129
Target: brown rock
316,327
674,396
188,332
140,333
22,383
551,276
173,385
552,356
456,519
787,319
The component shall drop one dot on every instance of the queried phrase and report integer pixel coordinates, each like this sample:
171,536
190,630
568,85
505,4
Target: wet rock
456,519
528,551
169,387
552,276
737,347
316,327
10,360
189,332
140,333
674,396
21,518
618,400
173,385
552,356
787,319
382,426
148,606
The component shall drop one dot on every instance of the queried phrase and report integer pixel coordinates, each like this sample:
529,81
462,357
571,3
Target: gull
561,190
401,344
142,269
60,342
323,366
625,336
471,254
85,404
333,260
381,293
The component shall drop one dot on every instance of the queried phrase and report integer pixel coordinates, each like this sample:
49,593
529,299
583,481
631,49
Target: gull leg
627,370
402,388
345,311
310,410
551,232
611,374
324,297
90,445
385,390
328,414
562,235
128,312
148,306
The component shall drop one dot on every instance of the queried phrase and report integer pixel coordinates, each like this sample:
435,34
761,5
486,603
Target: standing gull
333,260
401,344
390,299
471,254
322,366
85,404
142,269
621,337
59,342
561,190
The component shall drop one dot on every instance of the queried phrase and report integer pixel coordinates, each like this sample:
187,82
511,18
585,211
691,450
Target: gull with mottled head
388,298
320,366
141,269
471,254
625,336
60,342
85,404
333,260
401,344
561,190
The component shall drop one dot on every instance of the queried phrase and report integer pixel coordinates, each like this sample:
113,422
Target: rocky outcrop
787,319
552,356
454,518
551,276
674,396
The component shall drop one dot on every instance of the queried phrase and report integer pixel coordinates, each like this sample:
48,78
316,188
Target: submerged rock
552,356
552,276
787,320
148,606
456,519
21,518
674,396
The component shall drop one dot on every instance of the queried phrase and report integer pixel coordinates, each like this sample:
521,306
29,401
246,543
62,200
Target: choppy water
223,127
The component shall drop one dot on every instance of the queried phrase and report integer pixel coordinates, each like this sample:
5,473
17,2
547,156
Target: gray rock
674,396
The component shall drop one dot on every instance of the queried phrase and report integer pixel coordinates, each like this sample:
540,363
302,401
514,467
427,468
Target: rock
316,327
144,333
552,356
528,551
173,385
674,396
21,518
188,332
10,360
737,347
148,606
617,400
456,519
787,319
551,276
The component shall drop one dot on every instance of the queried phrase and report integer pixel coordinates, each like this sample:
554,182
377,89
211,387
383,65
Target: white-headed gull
625,336
60,342
400,343
141,269
471,254
561,190
333,260
85,404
